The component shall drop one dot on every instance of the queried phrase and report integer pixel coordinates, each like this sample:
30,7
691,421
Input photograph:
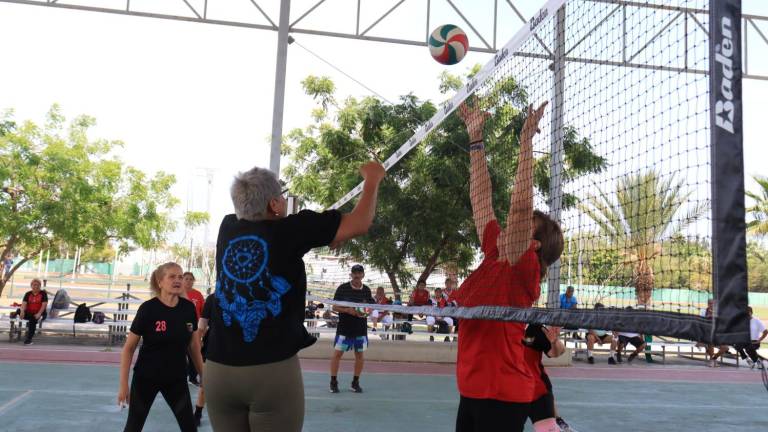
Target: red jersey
533,360
491,360
35,301
197,299
420,298
440,302
383,300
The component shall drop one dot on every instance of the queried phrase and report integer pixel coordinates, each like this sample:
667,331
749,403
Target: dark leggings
31,326
175,393
748,350
488,415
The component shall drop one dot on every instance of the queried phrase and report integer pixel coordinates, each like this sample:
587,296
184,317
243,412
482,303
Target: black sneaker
355,387
611,361
618,358
198,417
431,338
334,387
28,342
447,339
631,357
591,360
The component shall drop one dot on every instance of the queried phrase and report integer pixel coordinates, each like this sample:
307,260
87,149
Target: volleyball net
639,159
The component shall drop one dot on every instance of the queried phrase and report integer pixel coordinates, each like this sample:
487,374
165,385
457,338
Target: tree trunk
432,262
393,281
5,278
643,276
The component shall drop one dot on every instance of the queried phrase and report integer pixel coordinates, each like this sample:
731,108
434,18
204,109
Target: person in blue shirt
567,300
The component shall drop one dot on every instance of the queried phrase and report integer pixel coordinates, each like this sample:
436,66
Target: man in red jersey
495,383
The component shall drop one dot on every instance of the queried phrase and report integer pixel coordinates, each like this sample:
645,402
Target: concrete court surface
51,388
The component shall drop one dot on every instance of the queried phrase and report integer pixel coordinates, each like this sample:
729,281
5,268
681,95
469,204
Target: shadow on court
48,396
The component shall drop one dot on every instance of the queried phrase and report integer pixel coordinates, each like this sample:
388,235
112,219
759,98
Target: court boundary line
15,401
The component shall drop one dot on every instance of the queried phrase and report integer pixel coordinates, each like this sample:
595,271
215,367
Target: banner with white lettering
729,278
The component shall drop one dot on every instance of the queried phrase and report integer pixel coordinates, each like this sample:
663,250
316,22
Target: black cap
357,268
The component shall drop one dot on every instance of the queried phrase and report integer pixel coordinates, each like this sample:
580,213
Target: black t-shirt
207,306
261,286
206,314
352,326
165,333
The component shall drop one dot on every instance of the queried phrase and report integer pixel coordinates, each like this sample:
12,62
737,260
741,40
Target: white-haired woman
167,323
253,379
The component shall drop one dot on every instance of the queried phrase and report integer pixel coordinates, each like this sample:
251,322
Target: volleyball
362,311
448,44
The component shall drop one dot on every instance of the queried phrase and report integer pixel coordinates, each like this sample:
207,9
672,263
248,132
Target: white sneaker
759,364
751,363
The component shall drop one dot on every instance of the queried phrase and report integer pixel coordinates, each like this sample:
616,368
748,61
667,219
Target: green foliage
641,212
759,208
424,213
194,219
60,187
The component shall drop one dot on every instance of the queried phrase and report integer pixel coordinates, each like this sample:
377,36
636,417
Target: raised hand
372,171
531,125
474,118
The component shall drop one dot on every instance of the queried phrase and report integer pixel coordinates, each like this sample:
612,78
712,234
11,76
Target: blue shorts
348,343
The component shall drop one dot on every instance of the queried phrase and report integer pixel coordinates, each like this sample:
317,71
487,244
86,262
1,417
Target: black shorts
490,415
636,341
542,408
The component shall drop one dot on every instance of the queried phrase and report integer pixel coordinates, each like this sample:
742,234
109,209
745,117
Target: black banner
729,271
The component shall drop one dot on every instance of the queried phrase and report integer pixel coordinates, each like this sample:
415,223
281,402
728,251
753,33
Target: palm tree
638,217
759,211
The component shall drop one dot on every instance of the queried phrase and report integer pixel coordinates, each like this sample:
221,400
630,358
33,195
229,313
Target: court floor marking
633,404
15,401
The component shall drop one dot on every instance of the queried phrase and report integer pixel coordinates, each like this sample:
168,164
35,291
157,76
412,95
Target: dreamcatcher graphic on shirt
245,289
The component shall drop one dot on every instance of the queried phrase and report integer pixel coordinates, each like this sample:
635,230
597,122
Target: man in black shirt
352,332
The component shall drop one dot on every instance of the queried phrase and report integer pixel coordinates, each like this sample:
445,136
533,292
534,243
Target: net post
556,146
729,276
279,101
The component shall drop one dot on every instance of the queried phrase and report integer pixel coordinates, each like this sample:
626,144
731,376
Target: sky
191,99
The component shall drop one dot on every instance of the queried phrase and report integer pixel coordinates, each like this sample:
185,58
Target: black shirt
207,306
352,326
165,333
261,286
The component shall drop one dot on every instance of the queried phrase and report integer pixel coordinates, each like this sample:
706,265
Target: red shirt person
495,382
420,296
192,294
33,308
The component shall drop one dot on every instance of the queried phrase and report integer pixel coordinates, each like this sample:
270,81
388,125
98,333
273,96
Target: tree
424,213
61,188
637,217
759,209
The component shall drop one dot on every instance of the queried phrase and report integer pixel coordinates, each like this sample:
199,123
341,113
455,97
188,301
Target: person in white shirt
757,332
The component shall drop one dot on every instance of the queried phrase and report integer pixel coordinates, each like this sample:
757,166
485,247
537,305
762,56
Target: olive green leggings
264,398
